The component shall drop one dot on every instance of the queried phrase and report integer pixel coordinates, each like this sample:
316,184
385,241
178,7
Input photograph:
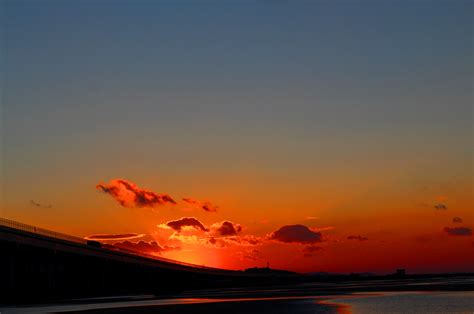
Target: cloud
357,237
296,234
114,237
252,255
40,205
458,231
128,194
220,242
185,222
239,240
457,220
151,247
206,205
309,251
312,249
311,217
220,234
250,240
189,238
440,206
323,228
226,228
246,240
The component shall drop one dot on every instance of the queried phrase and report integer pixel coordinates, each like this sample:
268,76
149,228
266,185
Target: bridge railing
57,235
32,229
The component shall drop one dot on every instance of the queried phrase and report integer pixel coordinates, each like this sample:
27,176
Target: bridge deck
38,264
25,234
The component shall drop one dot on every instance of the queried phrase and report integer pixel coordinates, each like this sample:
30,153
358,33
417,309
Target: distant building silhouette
401,272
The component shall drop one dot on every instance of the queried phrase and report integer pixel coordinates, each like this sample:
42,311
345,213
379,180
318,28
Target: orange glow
380,233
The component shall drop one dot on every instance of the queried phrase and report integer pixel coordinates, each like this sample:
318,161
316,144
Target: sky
317,136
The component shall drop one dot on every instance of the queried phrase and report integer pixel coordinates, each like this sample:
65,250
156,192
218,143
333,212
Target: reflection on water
272,305
314,298
386,302
406,302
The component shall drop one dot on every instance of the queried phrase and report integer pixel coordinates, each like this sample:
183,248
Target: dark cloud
40,205
128,194
206,205
458,231
296,234
151,247
440,206
457,220
357,237
192,222
227,228
114,237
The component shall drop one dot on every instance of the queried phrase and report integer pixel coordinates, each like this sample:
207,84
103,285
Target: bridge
38,264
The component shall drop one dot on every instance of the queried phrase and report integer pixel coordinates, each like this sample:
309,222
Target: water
406,302
343,298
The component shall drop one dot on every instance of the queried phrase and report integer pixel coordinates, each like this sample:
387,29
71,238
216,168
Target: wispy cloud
241,240
323,228
252,255
128,194
457,220
440,206
32,202
357,237
205,205
114,237
458,231
310,250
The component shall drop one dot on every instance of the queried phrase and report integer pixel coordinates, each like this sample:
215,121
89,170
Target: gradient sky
351,118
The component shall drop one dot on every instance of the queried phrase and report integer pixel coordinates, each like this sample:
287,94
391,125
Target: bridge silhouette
38,264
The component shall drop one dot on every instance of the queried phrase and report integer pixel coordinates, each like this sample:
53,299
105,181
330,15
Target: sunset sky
317,136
